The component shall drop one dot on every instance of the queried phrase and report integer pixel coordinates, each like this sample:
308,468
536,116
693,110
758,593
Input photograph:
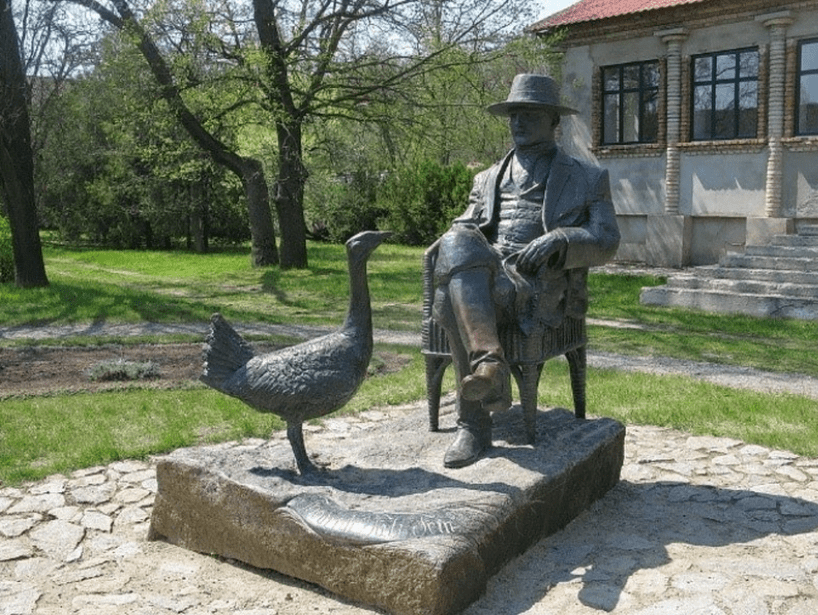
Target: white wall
718,191
723,185
801,184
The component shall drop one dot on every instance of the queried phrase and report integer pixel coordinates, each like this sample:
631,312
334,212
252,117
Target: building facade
705,112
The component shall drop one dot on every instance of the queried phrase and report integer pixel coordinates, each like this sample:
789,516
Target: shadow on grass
64,302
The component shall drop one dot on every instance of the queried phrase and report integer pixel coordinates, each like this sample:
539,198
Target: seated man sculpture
535,222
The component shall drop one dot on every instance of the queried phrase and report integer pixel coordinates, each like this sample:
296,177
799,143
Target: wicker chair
526,355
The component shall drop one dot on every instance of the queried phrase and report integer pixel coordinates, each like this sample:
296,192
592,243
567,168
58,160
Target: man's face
531,125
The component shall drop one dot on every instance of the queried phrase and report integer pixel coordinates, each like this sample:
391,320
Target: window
725,95
630,94
807,116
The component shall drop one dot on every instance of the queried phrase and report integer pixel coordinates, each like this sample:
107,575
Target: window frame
641,90
713,82
799,73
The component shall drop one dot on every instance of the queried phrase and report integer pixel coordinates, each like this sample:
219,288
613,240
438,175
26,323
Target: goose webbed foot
306,468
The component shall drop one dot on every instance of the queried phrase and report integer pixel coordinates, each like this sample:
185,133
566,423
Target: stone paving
697,526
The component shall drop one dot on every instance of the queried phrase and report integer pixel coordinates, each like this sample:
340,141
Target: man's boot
485,385
473,435
488,377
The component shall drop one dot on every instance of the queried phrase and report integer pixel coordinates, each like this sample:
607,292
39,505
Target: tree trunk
289,196
197,227
16,159
258,204
289,188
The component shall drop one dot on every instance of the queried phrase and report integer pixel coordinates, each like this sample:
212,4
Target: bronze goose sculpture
307,380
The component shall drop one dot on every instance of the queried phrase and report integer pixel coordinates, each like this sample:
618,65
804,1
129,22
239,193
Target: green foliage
346,205
762,343
46,435
6,252
421,200
43,435
416,201
119,171
98,285
404,169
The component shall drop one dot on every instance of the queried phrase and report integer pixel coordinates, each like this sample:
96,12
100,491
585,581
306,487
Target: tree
16,159
55,47
397,170
119,170
317,59
249,170
354,58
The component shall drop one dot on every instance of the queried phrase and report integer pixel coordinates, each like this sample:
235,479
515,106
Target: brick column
760,230
775,121
668,234
673,39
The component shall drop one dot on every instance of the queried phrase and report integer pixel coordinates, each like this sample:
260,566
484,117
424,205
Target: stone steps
752,286
777,280
795,240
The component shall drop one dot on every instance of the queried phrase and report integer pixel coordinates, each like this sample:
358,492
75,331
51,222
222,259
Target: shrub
417,202
6,252
422,200
343,206
121,369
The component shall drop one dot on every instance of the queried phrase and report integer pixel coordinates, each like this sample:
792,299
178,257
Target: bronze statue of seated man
535,222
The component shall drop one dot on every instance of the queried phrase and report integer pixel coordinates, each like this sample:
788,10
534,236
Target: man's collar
548,149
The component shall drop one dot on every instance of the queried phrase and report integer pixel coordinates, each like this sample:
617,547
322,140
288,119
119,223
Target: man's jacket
577,204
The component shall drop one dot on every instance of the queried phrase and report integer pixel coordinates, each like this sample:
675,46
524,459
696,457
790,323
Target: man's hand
546,250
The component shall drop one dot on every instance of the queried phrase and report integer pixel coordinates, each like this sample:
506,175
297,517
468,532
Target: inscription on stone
327,518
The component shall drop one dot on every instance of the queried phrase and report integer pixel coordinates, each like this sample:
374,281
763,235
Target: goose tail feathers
225,351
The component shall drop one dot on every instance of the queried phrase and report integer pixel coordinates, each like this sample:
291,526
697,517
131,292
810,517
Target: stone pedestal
668,240
386,524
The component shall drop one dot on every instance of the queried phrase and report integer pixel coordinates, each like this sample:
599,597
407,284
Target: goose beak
370,238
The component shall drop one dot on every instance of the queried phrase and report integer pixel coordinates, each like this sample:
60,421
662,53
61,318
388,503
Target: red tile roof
592,10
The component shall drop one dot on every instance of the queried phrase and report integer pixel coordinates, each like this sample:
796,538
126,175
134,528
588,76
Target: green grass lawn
132,286
44,435
47,434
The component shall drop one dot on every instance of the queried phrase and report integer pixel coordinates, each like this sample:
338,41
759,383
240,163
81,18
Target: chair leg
435,368
577,363
529,384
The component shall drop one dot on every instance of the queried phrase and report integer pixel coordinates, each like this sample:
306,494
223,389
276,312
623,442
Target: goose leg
296,438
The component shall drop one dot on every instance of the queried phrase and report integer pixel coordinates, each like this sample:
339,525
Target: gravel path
696,526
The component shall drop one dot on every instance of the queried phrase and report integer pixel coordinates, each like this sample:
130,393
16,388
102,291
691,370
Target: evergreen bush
346,205
422,200
6,252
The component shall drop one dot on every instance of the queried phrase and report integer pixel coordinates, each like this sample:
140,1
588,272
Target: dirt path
42,369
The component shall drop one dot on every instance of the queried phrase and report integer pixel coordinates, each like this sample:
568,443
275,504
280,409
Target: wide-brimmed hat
532,91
